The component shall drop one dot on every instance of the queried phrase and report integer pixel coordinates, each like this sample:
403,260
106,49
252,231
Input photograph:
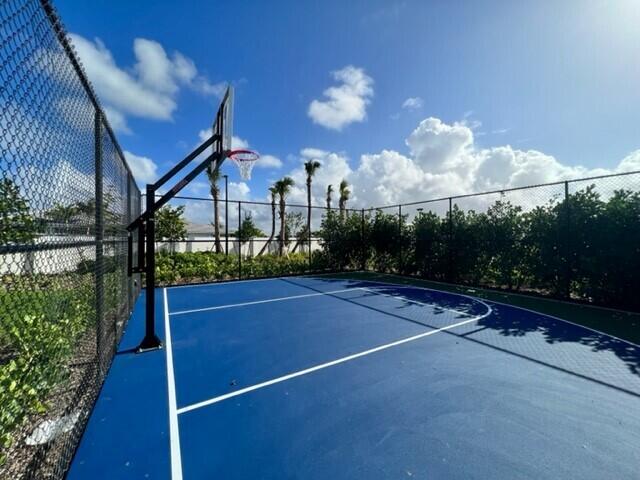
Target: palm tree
214,177
344,196
310,168
329,192
282,188
273,191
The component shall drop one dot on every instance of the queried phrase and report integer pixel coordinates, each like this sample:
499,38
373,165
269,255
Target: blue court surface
325,378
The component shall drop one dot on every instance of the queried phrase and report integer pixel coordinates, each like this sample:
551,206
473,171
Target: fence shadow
535,337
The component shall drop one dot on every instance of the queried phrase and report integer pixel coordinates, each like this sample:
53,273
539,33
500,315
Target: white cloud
149,88
313,153
444,160
239,191
630,163
143,168
117,120
345,103
238,143
412,103
334,167
269,161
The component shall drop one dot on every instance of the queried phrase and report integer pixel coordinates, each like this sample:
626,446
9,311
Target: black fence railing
66,196
247,246
575,240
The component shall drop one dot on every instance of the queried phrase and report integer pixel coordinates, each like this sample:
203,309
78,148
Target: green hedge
190,267
586,246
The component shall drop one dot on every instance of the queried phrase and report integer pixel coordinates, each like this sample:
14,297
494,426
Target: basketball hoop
245,160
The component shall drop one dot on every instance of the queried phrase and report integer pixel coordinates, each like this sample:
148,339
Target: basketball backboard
223,123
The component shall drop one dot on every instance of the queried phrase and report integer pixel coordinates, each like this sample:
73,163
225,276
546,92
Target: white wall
250,248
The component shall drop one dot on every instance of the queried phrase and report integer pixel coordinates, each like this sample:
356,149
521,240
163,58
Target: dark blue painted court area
321,378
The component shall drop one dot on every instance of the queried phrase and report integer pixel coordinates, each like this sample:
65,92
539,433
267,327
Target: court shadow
536,337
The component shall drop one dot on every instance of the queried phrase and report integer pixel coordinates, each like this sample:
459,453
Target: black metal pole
364,247
150,340
400,238
239,244
450,249
309,233
226,215
141,259
99,235
567,240
128,279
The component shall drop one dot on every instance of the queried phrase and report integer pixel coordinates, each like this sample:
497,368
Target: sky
406,100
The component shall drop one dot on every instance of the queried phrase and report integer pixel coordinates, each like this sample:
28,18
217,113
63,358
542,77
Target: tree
170,225
329,192
85,214
16,222
214,178
295,228
310,168
430,247
248,229
282,188
62,213
273,219
342,241
345,193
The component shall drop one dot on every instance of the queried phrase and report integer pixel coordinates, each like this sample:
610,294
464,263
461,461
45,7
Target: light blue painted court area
327,378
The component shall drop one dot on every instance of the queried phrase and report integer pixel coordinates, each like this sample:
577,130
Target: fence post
450,244
226,215
309,233
399,238
239,243
99,236
129,250
567,240
364,247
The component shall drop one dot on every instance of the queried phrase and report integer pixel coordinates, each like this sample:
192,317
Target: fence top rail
432,200
253,202
504,190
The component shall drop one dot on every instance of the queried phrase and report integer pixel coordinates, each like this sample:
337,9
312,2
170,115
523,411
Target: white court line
174,433
483,300
434,305
322,366
257,302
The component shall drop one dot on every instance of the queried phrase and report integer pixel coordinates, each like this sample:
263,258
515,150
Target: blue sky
495,93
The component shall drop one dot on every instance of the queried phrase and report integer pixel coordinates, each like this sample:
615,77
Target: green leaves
248,229
190,267
170,224
16,221
39,327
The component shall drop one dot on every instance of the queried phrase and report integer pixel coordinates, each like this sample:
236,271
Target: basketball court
320,377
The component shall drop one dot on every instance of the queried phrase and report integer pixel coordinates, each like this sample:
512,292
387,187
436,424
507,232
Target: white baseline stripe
174,433
324,365
257,302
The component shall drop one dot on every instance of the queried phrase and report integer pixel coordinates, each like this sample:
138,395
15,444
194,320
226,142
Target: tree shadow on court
532,336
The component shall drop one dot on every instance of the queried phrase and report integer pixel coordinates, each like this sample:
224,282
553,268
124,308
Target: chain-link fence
248,241
66,197
576,240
